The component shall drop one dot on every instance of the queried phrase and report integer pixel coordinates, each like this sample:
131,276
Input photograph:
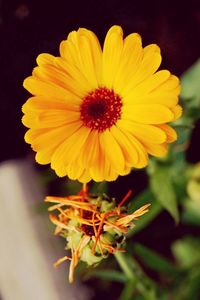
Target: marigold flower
93,226
95,114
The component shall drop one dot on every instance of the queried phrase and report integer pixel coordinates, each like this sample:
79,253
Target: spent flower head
96,113
93,226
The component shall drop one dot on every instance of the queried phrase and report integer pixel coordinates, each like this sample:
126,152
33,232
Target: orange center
101,109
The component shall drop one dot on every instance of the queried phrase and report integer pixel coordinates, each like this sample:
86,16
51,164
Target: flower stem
134,276
120,257
84,187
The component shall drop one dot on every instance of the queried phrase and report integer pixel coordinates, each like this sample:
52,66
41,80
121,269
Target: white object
27,247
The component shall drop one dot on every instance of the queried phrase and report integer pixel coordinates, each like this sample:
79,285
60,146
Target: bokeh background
28,28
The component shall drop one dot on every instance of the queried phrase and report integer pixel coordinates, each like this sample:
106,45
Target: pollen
101,109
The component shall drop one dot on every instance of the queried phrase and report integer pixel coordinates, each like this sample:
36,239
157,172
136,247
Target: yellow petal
143,132
75,73
161,88
87,65
40,88
85,176
151,61
74,171
63,73
99,171
43,157
173,83
177,110
151,83
29,119
45,59
79,50
142,154
90,152
147,114
170,132
96,51
68,49
156,150
96,174
39,103
111,175
49,118
69,151
136,156
91,56
32,134
112,150
131,57
154,98
103,168
106,168
43,138
53,75
128,149
112,50
149,65
126,171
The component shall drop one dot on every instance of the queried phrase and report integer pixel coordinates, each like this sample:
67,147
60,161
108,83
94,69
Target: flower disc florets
93,226
101,109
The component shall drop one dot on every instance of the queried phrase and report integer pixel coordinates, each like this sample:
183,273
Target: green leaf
109,275
189,288
127,292
194,285
155,208
163,189
154,260
187,251
144,285
191,212
190,82
191,95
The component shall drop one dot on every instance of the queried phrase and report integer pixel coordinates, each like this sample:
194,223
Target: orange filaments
101,109
93,226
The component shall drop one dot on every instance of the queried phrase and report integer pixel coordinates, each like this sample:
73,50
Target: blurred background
28,28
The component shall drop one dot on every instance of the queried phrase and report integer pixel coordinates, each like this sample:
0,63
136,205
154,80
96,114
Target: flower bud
93,226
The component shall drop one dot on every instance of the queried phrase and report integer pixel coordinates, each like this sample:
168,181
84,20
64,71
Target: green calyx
110,237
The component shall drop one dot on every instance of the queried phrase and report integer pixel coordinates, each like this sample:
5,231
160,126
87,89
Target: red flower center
101,109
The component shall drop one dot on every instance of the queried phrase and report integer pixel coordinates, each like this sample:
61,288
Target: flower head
96,113
93,226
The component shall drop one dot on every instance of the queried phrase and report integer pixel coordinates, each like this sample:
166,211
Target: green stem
131,282
135,276
121,259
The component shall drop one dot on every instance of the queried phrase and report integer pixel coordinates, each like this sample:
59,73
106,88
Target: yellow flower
98,113
93,226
